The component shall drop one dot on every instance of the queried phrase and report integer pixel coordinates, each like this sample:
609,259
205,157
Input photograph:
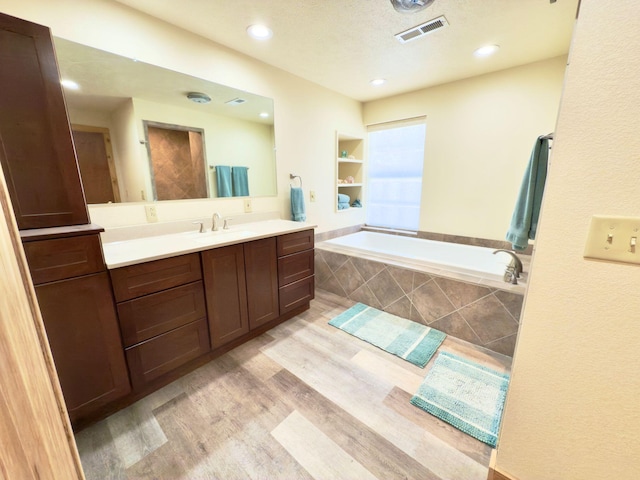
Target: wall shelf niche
349,163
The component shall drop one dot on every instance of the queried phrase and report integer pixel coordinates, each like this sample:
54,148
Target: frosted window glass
396,158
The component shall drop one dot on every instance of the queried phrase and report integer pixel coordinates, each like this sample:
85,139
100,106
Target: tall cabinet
62,248
349,169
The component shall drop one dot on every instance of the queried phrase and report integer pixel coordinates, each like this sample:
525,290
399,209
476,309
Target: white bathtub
466,262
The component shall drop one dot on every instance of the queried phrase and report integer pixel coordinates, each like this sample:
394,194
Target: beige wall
480,132
306,115
572,407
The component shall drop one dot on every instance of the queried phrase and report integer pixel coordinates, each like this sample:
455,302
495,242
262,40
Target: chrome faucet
514,269
215,222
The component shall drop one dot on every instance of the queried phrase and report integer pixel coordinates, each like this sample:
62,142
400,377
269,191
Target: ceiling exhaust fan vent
422,29
236,101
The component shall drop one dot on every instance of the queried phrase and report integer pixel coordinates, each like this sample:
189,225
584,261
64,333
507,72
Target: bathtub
464,262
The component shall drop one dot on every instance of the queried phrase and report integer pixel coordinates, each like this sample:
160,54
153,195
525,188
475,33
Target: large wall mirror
117,98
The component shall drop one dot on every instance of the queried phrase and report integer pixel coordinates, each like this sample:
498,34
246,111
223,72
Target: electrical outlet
152,215
247,205
312,196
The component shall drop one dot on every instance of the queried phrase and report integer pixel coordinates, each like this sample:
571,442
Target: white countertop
139,250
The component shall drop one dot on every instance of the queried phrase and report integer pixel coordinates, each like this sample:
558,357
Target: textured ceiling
343,44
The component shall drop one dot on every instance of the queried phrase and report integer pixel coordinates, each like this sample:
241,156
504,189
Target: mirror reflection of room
117,95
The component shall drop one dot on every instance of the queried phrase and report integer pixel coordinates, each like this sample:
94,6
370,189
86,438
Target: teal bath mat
408,340
465,394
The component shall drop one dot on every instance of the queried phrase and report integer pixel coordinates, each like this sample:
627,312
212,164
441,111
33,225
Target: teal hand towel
524,221
223,180
240,179
342,198
298,213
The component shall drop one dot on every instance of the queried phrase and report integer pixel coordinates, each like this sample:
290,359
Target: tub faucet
215,222
514,269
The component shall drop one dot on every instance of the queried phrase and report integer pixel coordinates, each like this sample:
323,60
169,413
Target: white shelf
352,168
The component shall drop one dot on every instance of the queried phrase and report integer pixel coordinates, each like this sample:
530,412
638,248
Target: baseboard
494,473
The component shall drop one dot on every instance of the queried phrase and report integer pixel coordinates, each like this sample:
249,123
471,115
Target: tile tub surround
480,314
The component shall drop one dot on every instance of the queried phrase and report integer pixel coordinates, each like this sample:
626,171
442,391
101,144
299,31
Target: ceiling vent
422,29
236,101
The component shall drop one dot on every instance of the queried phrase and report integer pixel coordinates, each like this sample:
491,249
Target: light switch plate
247,205
312,196
614,239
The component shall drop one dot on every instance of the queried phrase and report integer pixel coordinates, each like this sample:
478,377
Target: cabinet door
36,147
82,328
226,294
261,267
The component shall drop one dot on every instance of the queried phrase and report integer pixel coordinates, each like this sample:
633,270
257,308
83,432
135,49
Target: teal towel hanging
223,180
524,221
240,180
298,213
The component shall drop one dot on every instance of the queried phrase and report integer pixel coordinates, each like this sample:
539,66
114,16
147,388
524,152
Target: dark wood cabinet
226,293
162,315
261,268
295,242
36,146
150,277
82,328
295,270
59,258
62,248
161,355
145,317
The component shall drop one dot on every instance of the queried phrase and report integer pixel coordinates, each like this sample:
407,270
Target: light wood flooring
303,401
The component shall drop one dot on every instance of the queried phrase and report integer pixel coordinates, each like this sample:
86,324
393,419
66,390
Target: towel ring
292,176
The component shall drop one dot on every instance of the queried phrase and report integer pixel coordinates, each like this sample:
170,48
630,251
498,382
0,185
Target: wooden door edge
12,249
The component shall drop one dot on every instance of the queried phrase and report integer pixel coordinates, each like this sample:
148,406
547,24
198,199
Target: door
95,160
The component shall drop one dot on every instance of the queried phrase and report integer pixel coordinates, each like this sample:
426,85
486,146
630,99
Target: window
396,158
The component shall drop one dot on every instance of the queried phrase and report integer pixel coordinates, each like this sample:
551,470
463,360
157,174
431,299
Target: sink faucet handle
226,223
201,229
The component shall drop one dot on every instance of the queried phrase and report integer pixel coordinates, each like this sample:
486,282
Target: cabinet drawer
295,242
60,258
151,315
159,355
295,267
296,294
151,277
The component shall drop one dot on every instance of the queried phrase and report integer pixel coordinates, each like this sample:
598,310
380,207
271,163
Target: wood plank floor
303,401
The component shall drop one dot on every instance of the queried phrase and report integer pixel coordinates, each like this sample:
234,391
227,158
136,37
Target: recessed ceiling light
486,50
264,115
259,32
377,82
70,84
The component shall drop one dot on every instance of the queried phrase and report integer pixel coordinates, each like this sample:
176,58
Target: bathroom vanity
209,292
125,318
